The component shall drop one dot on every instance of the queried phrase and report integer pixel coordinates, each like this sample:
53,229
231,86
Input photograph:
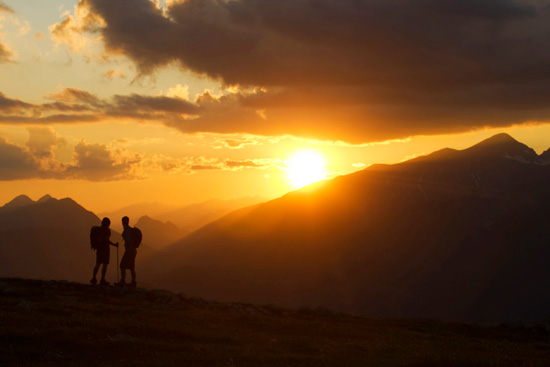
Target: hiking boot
104,282
133,284
121,284
93,281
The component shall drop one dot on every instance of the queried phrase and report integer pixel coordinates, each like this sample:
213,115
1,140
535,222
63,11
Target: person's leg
122,275
96,268
133,272
103,272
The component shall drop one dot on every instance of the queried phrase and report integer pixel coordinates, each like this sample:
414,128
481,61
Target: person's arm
109,240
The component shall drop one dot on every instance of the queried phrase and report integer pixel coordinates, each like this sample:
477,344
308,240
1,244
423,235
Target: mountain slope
458,235
159,234
192,217
134,212
49,239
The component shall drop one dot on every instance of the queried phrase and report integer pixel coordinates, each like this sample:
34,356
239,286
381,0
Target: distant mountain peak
18,202
501,138
504,146
44,198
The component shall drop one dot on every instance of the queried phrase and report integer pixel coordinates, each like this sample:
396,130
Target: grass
71,324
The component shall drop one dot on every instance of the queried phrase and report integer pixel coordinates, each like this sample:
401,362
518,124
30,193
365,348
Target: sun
306,167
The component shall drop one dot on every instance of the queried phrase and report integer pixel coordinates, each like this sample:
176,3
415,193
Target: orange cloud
189,165
93,162
4,8
6,54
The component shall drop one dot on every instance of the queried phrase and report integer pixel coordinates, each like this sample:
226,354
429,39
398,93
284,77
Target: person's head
106,222
125,221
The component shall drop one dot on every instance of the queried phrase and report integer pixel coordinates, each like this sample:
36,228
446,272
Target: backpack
136,237
95,234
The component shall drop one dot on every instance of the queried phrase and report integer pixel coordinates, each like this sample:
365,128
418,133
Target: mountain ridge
381,241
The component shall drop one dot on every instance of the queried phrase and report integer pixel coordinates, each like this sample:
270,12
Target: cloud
6,54
299,112
189,165
93,162
4,8
112,74
162,104
42,141
179,91
353,70
73,105
8,104
74,95
16,163
235,143
24,27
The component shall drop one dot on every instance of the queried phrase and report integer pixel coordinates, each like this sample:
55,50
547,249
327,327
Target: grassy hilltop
57,323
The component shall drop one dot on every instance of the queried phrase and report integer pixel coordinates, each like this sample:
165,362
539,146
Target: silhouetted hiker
132,240
101,239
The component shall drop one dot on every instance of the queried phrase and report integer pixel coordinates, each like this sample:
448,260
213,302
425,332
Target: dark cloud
365,69
76,106
39,119
65,107
75,95
136,102
8,104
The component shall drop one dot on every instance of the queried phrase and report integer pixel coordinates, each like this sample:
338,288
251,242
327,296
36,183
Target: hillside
58,323
134,212
191,217
49,239
159,234
46,239
456,235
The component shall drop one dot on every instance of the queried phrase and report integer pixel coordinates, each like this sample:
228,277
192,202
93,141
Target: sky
115,102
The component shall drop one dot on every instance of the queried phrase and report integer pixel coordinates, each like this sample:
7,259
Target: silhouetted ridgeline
456,235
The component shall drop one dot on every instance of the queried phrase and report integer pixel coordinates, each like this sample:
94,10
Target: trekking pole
117,263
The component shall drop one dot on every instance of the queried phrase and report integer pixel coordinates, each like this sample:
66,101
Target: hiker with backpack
132,240
100,240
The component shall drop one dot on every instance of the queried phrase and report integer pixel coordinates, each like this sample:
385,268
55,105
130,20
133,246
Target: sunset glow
306,167
174,111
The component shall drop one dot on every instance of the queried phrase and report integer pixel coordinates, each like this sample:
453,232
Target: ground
57,323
